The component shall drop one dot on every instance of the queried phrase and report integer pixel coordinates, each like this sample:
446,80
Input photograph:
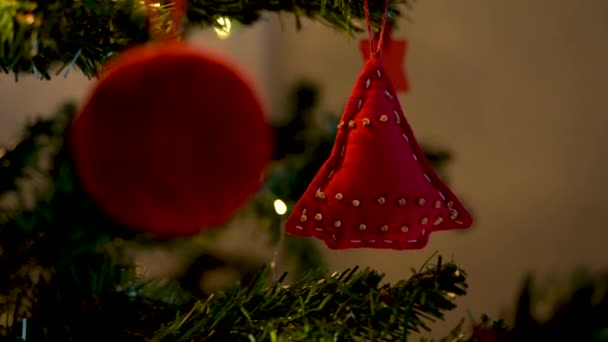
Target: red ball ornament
171,140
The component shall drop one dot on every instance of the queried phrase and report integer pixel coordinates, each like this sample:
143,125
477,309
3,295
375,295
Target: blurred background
515,90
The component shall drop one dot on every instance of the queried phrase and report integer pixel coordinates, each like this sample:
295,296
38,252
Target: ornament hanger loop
375,50
157,30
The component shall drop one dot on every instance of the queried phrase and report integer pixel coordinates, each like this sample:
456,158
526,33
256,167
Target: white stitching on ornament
397,117
367,83
388,241
378,73
366,122
319,229
405,137
438,221
300,227
423,231
331,173
412,241
355,241
414,156
342,153
388,94
383,118
359,104
372,241
427,177
441,195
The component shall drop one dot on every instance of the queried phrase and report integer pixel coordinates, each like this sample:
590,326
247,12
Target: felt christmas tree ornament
377,189
172,140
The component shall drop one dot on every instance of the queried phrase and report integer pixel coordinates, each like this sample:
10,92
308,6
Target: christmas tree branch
353,305
34,35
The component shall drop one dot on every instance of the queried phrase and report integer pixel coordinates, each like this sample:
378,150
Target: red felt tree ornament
393,55
377,189
172,140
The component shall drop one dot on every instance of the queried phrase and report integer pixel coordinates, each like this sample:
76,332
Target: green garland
83,34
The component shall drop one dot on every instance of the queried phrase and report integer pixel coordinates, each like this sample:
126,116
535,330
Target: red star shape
393,55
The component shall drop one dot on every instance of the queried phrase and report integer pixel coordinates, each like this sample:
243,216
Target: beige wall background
516,89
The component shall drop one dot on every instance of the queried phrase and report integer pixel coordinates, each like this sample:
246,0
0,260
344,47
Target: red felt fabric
172,140
379,164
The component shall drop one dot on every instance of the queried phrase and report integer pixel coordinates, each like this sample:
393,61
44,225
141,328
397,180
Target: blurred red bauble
171,141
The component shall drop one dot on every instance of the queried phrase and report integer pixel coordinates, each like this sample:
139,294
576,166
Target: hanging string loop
377,49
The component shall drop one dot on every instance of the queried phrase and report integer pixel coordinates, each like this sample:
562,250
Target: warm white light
223,30
280,207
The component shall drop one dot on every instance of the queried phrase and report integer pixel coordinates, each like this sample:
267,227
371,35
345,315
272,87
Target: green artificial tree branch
350,306
36,34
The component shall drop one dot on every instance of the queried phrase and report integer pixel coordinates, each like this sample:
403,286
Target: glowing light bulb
223,30
280,207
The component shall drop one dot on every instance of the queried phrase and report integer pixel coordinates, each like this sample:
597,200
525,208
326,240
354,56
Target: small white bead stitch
383,118
362,227
404,229
318,217
367,83
337,224
366,122
384,228
378,73
339,196
356,203
402,201
381,200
